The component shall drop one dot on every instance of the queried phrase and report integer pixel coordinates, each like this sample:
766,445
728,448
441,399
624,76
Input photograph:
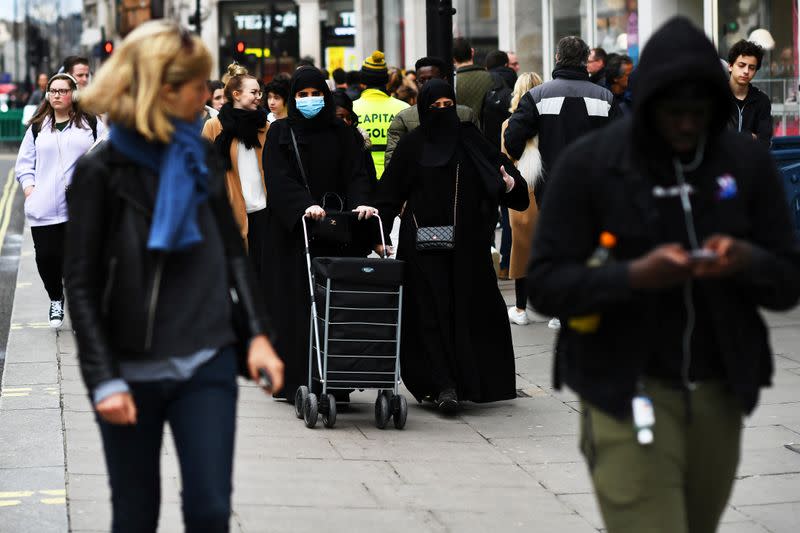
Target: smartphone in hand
703,255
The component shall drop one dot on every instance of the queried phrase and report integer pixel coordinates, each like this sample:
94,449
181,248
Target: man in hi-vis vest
375,108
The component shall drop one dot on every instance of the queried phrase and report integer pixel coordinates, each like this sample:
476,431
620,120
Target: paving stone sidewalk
509,466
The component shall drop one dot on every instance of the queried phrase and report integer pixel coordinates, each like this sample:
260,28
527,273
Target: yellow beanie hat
375,63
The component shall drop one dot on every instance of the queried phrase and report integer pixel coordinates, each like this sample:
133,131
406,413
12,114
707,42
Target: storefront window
567,19
617,27
268,32
772,24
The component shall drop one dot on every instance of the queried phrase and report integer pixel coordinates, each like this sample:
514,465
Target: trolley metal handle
314,323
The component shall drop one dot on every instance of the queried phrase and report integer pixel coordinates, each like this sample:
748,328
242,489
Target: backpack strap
93,124
36,127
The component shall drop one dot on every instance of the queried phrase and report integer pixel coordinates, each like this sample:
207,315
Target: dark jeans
202,415
505,238
49,244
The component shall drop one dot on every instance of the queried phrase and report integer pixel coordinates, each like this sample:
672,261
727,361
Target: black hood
304,78
678,52
506,74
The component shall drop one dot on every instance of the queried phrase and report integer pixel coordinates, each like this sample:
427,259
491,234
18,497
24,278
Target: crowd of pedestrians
633,214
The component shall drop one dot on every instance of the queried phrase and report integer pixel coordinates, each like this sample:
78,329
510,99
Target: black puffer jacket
609,181
128,303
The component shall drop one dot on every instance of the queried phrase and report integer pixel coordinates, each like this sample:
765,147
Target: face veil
440,126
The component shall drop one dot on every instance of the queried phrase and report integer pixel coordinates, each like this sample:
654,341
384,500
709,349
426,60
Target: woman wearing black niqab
456,339
333,163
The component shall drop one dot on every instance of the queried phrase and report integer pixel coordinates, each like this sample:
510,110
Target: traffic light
238,51
106,49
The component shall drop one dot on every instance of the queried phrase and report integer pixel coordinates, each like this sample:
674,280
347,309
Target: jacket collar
469,68
571,73
753,92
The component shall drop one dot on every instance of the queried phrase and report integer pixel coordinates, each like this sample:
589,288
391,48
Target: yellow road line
57,492
54,501
18,494
17,389
15,394
6,204
9,503
6,193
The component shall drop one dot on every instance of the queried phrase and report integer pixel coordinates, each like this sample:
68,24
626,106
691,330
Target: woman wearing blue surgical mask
329,153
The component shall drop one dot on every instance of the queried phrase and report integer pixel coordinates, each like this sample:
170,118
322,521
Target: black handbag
438,238
335,229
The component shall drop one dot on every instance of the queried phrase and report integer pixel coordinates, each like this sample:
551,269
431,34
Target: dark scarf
238,124
440,126
304,78
182,181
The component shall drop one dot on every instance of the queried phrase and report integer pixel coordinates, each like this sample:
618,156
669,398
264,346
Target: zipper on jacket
153,304
741,115
112,271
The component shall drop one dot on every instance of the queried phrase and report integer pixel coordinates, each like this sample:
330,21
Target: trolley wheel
329,414
300,399
400,411
382,412
311,410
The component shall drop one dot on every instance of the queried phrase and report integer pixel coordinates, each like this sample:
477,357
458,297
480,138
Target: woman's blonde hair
128,85
234,69
234,79
525,82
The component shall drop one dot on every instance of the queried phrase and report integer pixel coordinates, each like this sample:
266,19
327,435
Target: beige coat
233,184
523,225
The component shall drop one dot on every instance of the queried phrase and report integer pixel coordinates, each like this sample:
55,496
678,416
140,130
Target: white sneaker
515,316
56,315
554,323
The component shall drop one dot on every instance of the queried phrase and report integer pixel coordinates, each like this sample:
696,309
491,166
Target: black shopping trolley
356,304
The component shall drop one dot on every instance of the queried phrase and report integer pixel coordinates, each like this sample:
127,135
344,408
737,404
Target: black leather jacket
113,282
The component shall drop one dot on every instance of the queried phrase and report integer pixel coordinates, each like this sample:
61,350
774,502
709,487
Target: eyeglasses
59,92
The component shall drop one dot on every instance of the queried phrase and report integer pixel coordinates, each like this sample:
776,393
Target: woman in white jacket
58,135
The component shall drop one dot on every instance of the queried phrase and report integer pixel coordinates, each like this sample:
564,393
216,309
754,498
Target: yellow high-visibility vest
376,110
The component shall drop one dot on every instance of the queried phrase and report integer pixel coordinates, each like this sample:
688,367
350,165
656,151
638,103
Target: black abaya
333,163
455,326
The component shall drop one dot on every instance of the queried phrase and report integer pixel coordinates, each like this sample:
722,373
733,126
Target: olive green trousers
682,481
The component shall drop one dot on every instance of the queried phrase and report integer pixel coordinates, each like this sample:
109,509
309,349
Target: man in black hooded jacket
702,239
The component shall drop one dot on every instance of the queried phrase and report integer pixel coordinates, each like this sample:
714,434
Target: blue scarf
182,184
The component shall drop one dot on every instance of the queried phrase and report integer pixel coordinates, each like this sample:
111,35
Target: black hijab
440,126
240,124
341,99
303,78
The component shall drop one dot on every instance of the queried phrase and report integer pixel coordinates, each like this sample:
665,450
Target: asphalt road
11,225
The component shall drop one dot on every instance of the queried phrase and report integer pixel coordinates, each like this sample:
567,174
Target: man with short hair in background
38,94
472,81
513,61
340,80
596,66
618,73
78,68
751,110
559,111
